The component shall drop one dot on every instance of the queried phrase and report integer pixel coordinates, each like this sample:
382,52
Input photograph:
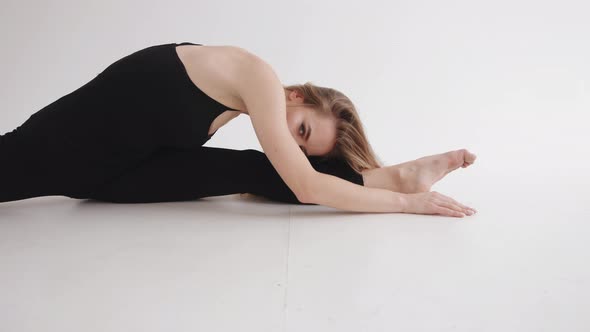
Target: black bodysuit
134,134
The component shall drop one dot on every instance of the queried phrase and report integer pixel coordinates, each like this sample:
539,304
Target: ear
296,95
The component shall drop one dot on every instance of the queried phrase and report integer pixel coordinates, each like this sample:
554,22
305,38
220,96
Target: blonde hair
351,142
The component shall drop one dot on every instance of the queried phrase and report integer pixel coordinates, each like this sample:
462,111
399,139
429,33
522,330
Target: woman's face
314,133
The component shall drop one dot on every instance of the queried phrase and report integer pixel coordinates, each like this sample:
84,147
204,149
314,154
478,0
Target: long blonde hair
351,142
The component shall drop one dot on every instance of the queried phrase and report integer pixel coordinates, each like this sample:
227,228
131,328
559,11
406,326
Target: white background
508,80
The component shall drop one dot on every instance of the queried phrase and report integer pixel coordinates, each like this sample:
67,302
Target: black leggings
181,174
39,160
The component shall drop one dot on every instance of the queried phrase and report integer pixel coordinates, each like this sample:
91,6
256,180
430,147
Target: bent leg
188,174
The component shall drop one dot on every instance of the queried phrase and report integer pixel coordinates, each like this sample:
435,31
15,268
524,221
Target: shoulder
251,68
242,53
248,73
229,58
247,62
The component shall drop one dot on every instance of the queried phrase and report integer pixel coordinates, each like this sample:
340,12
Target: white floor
240,263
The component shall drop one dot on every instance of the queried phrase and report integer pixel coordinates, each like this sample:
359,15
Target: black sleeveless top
152,87
200,92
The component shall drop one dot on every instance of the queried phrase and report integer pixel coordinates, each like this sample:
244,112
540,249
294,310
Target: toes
460,158
456,159
468,156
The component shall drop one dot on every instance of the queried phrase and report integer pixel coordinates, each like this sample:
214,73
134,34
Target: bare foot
419,175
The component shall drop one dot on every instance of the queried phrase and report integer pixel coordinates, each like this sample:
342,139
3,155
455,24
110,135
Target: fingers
449,212
455,209
466,209
452,204
451,200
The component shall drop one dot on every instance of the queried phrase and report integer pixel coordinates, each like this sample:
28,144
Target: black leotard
154,81
137,105
134,133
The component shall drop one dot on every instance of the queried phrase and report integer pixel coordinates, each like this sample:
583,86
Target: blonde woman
135,133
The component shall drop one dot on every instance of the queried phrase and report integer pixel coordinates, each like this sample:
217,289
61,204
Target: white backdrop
508,80
505,79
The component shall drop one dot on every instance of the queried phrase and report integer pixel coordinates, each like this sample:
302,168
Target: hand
432,202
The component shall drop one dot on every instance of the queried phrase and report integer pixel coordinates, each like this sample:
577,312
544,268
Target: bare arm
264,97
335,192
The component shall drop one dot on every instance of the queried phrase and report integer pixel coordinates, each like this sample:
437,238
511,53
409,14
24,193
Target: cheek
292,125
293,122
289,120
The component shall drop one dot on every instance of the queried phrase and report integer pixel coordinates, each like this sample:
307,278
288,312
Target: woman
135,133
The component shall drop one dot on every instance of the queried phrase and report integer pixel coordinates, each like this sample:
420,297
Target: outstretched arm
263,94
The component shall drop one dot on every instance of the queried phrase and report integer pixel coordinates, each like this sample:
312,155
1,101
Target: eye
301,129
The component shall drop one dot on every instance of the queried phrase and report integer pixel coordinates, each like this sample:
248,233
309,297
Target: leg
22,173
67,148
188,174
38,160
